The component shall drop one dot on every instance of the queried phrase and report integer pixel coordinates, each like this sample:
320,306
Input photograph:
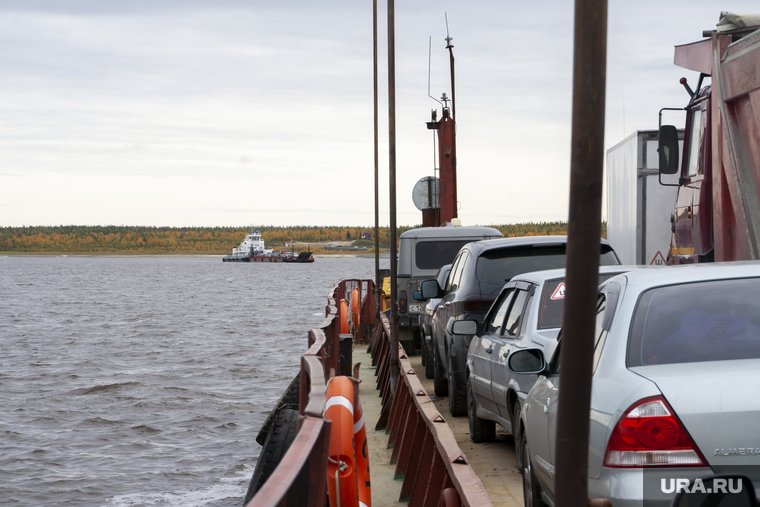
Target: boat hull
302,258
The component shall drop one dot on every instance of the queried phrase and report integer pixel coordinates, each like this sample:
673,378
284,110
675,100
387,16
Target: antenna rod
450,47
430,53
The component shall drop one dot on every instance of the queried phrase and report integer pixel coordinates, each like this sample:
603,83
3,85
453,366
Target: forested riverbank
206,240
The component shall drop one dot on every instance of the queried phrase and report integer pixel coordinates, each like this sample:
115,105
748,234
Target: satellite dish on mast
426,193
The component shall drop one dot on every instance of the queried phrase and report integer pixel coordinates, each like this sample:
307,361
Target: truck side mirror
667,145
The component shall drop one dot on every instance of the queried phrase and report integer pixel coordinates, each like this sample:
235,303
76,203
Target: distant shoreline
383,255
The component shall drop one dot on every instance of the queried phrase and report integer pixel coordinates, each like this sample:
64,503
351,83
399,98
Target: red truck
717,208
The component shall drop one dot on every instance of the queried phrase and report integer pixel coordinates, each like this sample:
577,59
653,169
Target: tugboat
253,249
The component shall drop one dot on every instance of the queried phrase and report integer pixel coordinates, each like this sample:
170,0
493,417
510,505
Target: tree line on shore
205,240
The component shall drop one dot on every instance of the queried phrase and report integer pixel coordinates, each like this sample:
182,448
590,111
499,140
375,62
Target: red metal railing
435,471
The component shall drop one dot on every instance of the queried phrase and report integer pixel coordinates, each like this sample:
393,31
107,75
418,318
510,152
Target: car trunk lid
718,403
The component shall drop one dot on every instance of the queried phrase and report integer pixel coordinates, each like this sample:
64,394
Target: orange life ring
341,463
362,457
355,308
343,316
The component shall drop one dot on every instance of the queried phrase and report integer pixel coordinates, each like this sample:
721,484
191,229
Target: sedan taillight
650,435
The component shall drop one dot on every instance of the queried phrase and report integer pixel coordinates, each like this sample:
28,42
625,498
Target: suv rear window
434,254
696,322
499,266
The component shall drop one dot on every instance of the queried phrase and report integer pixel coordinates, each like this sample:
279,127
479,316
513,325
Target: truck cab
716,215
692,219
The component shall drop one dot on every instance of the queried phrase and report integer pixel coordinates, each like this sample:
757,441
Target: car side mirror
464,327
527,361
430,289
716,490
417,295
667,146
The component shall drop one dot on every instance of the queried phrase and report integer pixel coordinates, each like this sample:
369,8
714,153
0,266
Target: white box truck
639,207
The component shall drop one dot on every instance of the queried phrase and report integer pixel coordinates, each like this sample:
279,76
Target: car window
443,275
456,276
500,265
696,322
495,323
600,334
552,304
464,273
514,318
553,301
453,272
434,254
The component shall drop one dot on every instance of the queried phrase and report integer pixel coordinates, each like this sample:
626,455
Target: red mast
447,155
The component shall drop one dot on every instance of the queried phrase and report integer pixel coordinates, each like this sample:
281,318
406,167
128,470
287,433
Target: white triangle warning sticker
658,260
559,292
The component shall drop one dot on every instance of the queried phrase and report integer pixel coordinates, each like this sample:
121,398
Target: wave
102,388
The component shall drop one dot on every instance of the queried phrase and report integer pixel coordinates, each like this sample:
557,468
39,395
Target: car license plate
415,308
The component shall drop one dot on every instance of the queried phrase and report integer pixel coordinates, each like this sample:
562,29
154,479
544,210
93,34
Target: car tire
457,401
440,383
517,435
429,372
480,429
423,349
531,489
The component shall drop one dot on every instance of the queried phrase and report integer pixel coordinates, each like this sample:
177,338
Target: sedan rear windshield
499,266
553,301
697,322
434,254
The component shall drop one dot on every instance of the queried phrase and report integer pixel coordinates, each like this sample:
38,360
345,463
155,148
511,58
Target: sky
233,112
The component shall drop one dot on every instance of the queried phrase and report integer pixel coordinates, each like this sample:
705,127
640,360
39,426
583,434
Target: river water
130,381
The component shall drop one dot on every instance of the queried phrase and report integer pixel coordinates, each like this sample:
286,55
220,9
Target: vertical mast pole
450,47
378,281
584,232
392,171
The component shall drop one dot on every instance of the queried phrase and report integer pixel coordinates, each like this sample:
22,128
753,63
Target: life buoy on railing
341,461
355,300
362,456
343,317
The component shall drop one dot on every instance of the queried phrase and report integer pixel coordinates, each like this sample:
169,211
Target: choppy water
143,381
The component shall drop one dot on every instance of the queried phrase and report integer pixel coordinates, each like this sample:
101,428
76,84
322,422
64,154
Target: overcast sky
233,112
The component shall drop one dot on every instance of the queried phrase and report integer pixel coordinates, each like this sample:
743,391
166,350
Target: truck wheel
457,401
440,384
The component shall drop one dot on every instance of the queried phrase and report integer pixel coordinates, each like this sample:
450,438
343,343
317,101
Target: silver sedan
526,313
676,386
